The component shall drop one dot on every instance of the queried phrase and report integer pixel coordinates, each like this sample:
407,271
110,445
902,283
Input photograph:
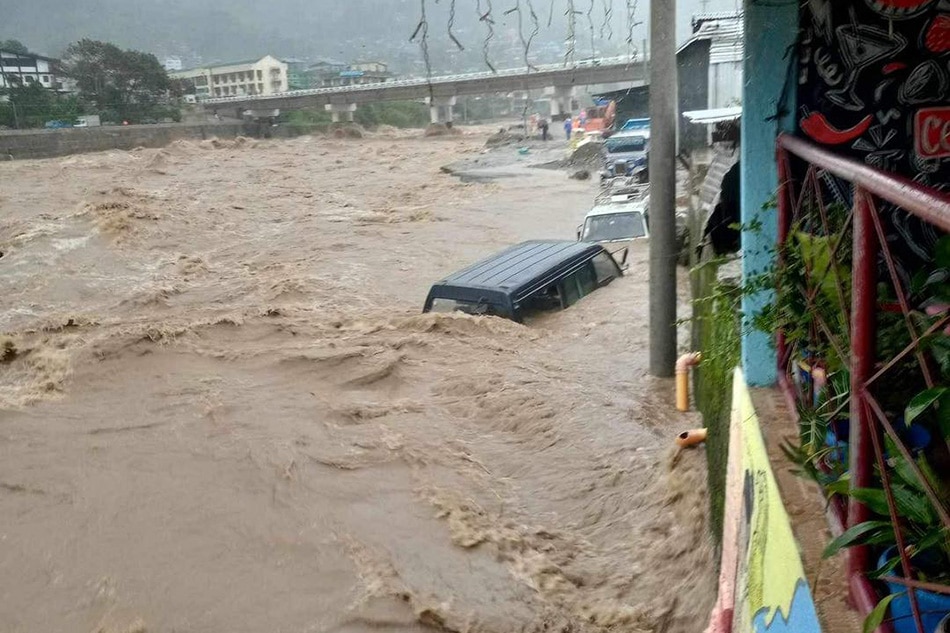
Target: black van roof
521,269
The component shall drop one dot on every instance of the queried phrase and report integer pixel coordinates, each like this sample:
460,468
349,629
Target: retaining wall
22,144
762,584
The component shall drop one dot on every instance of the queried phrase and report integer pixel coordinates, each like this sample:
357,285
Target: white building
723,31
172,63
264,76
25,69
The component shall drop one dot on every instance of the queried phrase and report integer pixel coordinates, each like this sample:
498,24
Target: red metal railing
804,170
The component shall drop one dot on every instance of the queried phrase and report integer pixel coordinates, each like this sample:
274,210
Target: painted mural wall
874,83
762,584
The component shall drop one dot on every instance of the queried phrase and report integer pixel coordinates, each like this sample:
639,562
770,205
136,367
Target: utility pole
663,114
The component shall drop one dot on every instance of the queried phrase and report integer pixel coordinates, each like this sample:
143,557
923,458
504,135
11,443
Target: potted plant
926,538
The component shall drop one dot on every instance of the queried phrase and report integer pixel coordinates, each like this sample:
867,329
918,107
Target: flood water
220,408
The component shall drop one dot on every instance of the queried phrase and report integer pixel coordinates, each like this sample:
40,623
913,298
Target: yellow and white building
264,76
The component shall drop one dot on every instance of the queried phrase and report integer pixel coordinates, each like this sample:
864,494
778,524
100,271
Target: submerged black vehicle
526,278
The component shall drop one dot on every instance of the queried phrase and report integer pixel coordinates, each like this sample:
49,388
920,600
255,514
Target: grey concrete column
340,110
663,188
441,108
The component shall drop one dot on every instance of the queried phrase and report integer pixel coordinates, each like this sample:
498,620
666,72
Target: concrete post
769,32
340,110
562,98
663,114
441,108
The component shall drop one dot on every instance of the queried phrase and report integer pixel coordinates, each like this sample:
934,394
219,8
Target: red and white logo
932,132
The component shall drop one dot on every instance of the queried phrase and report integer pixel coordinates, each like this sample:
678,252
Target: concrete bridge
557,80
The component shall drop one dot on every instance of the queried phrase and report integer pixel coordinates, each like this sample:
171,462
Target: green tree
14,46
120,84
32,105
402,114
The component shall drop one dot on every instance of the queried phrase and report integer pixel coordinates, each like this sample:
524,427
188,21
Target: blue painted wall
770,31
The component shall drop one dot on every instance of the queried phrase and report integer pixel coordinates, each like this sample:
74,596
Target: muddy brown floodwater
222,411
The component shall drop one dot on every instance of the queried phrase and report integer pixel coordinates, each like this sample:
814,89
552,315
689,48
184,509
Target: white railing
441,79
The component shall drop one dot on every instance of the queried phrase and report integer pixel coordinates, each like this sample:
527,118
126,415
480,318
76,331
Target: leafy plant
812,458
717,330
876,616
937,400
811,285
921,525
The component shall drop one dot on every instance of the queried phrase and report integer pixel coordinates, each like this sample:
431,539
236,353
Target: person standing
544,129
568,126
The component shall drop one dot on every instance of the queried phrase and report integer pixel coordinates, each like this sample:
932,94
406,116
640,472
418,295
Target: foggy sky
220,30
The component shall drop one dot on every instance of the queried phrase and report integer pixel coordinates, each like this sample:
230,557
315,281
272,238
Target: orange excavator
597,118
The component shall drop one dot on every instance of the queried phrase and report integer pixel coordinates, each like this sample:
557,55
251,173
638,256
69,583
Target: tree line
121,86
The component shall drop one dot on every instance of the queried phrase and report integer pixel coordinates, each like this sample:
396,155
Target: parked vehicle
57,125
625,152
525,279
636,125
89,120
615,222
625,189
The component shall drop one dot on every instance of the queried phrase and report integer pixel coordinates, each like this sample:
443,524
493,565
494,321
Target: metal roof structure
714,115
724,33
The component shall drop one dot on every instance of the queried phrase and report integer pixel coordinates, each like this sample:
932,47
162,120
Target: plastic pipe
691,438
683,363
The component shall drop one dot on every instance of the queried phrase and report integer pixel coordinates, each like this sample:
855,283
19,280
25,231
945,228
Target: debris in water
8,350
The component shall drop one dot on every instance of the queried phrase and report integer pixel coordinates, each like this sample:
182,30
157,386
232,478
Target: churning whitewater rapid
220,408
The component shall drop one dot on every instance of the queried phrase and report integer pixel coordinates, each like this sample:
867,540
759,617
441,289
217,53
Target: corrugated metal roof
709,191
724,33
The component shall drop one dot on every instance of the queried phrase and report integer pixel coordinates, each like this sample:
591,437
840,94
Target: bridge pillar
340,110
562,98
440,109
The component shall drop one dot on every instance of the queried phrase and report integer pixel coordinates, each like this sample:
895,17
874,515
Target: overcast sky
220,30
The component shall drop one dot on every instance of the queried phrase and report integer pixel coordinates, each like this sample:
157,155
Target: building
710,71
265,76
173,63
334,74
298,77
23,69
